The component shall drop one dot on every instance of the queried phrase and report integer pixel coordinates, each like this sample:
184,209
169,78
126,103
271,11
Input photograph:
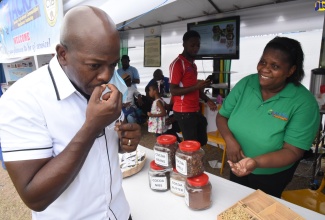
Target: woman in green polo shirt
269,119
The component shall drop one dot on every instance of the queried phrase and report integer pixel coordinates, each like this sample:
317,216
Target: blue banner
29,27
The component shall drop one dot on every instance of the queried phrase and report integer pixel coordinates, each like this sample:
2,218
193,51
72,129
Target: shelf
209,72
219,86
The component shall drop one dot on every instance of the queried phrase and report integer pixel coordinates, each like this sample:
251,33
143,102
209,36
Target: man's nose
106,74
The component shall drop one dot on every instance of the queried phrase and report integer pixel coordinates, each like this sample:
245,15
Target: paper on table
215,164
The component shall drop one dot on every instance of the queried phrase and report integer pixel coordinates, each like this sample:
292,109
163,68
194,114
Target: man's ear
61,54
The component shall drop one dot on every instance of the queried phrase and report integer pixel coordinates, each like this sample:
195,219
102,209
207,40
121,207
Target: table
148,204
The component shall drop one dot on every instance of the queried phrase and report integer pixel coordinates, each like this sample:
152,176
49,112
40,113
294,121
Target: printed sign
29,27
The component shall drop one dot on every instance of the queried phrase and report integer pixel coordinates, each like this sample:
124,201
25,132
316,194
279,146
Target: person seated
132,71
159,77
130,110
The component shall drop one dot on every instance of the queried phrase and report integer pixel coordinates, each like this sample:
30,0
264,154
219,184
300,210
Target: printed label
177,186
161,158
186,198
181,165
159,183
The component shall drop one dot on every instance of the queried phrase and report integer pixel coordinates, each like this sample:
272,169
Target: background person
158,76
187,90
158,114
130,110
132,71
269,119
58,137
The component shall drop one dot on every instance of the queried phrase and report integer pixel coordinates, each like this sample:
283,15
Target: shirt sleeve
135,74
304,123
176,73
23,131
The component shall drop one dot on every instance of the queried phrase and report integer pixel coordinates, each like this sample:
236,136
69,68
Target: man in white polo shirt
59,135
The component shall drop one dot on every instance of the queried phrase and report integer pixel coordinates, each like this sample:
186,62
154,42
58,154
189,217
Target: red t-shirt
184,74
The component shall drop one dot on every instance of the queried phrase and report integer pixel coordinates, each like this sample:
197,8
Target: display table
148,204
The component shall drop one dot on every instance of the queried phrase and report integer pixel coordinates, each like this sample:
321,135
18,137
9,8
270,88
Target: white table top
148,204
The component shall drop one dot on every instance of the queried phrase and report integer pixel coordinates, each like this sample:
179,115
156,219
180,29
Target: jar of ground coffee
165,149
189,158
177,183
198,191
159,178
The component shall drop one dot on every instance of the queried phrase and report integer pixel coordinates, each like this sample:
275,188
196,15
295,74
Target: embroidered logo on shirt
278,115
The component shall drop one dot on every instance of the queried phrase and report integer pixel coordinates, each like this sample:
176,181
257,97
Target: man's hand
129,134
212,105
201,84
103,109
139,100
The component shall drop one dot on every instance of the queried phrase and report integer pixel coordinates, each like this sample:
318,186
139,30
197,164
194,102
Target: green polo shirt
261,127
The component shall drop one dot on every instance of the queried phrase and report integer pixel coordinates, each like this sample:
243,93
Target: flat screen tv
219,38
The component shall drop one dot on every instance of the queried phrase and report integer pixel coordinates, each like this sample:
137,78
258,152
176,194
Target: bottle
189,159
177,183
198,191
159,178
165,149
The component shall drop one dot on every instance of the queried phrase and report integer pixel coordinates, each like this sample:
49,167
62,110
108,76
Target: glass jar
159,178
198,191
189,158
177,183
165,149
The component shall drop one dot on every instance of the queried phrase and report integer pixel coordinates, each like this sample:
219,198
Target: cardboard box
259,206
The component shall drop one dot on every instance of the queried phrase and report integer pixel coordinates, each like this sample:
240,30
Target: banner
29,27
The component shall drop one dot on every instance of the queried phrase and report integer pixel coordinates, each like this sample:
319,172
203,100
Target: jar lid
166,139
154,166
200,180
189,145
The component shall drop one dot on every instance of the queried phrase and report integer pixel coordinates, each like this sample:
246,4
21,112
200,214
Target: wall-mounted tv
219,38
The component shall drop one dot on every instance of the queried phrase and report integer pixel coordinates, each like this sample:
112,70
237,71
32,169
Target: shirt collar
60,79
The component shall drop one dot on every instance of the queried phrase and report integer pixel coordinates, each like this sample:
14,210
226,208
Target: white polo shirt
34,124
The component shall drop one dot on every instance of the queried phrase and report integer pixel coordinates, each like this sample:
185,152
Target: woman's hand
243,167
234,151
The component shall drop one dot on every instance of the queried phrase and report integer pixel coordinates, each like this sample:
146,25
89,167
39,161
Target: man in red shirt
187,90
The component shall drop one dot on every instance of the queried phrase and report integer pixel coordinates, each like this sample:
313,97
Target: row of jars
180,170
186,156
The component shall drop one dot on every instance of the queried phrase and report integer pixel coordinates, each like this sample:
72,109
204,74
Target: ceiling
181,10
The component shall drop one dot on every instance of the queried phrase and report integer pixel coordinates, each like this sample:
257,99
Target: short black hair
125,57
295,55
191,34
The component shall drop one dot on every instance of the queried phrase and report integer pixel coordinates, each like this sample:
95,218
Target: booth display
166,205
219,38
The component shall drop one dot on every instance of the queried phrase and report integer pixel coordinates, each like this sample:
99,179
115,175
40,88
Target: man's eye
113,65
94,66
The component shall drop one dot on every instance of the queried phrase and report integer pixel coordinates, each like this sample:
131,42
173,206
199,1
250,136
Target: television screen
219,38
